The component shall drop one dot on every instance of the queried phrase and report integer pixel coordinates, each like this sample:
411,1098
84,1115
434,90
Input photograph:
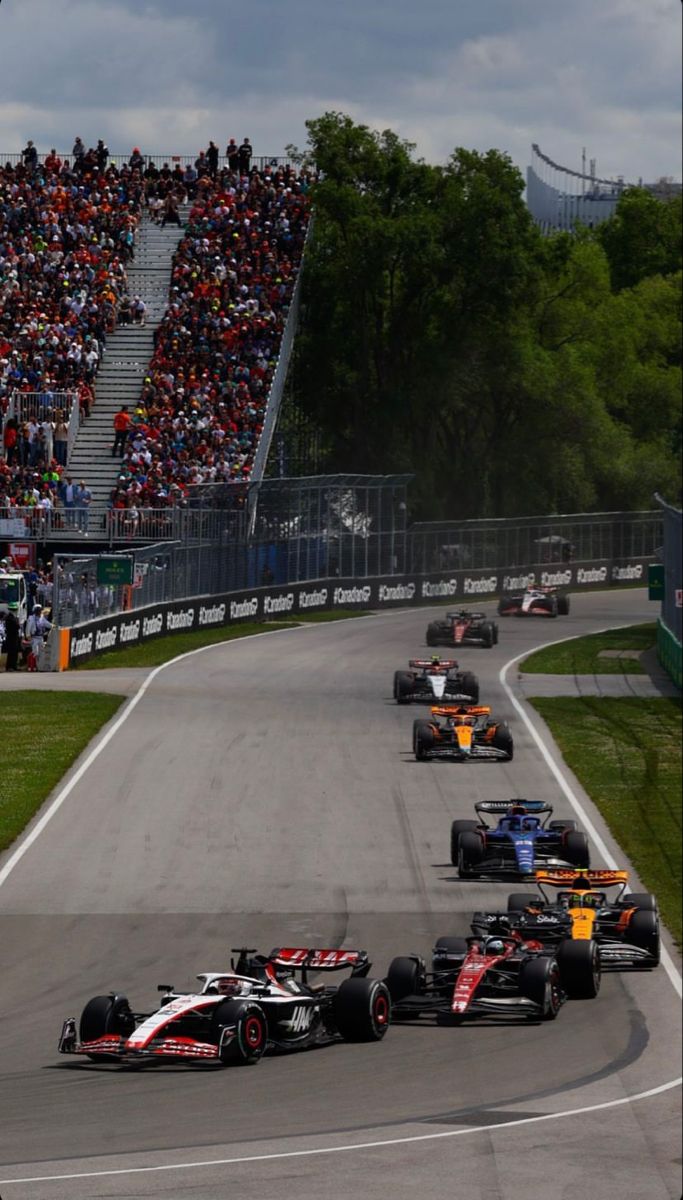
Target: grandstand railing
27,406
260,161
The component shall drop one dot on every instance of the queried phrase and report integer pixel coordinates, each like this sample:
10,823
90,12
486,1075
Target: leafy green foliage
442,334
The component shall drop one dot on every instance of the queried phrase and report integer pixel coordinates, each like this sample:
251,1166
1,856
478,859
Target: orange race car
462,731
626,929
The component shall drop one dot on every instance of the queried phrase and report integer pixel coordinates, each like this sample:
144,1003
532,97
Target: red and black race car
534,601
480,976
238,1015
462,628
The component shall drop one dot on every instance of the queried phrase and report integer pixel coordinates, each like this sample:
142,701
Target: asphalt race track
264,793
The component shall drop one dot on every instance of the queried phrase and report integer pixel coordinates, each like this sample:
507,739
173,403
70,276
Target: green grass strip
627,755
163,649
42,735
581,656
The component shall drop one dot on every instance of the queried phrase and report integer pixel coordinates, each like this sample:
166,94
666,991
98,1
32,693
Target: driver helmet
435,660
494,946
228,985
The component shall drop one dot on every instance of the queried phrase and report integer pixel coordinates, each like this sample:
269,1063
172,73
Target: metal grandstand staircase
129,350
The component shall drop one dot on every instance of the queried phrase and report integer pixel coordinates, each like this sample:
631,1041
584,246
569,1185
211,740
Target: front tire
432,636
403,979
487,635
362,1010
580,969
250,1040
539,980
403,687
502,740
103,1015
423,740
643,931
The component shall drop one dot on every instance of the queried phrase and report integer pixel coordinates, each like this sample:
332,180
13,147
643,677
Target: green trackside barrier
670,653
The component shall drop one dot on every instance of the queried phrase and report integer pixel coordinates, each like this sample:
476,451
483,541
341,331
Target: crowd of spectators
67,231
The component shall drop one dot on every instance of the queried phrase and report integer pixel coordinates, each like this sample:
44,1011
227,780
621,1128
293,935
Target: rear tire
563,826
403,687
495,633
539,980
576,850
469,686
362,1010
470,854
454,947
458,827
250,1042
502,740
563,606
645,901
643,931
580,969
487,635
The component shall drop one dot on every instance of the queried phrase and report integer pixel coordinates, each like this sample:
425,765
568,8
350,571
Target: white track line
400,1141
601,846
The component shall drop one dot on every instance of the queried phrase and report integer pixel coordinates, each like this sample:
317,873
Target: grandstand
209,250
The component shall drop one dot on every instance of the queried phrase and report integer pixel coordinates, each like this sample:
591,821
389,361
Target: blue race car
522,841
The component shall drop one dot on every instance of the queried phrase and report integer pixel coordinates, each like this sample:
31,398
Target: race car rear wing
465,615
303,959
448,664
461,710
582,879
532,807
575,879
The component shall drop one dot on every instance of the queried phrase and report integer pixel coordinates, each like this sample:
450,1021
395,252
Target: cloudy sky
167,75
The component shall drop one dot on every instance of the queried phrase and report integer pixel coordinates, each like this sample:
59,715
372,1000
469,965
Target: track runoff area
264,792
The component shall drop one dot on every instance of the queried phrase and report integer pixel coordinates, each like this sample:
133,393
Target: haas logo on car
300,1020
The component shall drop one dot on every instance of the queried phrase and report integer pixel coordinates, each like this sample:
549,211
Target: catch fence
670,625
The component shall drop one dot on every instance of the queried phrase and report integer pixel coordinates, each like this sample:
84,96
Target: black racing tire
458,827
520,901
645,901
403,687
470,854
580,969
487,635
403,979
502,610
494,627
362,1010
539,980
576,849
250,1042
563,606
643,931
469,685
432,635
102,1015
502,740
423,739
455,947
563,826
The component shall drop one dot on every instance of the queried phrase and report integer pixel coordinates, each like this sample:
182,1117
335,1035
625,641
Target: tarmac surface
264,792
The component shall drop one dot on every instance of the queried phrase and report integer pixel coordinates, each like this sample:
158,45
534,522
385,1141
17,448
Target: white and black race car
434,679
264,1003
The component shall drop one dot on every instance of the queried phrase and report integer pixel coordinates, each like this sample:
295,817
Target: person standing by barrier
83,502
61,438
37,629
12,637
121,424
